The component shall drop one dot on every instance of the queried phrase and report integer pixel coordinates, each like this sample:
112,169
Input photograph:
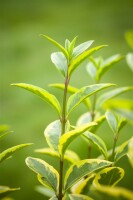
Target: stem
114,145
63,122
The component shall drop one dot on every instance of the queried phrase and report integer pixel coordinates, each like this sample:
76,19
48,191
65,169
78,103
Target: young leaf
109,176
46,96
79,59
60,61
75,99
71,47
53,133
129,59
112,121
81,48
81,169
45,191
121,151
130,151
49,174
79,197
60,47
67,138
98,142
8,152
53,198
111,94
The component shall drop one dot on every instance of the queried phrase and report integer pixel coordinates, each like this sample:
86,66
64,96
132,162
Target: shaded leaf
60,61
112,121
121,151
75,99
46,96
79,197
121,123
44,191
68,137
129,59
5,190
81,169
8,152
49,174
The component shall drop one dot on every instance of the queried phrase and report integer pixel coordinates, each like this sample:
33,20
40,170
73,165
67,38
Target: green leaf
4,134
75,99
5,190
53,198
81,169
79,197
49,174
4,128
44,191
68,137
130,151
111,94
92,70
129,38
71,46
79,59
46,96
112,121
109,176
52,133
60,47
81,48
121,123
107,64
60,61
129,59
8,152
98,142
121,151
48,151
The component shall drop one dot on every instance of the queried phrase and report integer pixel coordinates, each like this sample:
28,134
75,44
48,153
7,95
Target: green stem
114,146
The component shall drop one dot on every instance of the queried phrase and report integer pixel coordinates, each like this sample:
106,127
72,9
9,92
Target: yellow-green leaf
130,151
68,137
129,59
79,197
81,169
8,152
129,38
49,174
121,151
112,121
46,96
5,190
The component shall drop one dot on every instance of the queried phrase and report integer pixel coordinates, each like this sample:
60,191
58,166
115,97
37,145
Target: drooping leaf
68,137
112,121
98,142
44,191
107,64
121,151
109,176
52,133
129,59
79,59
46,96
60,47
49,174
111,94
81,169
79,197
81,48
129,38
8,152
75,99
5,190
130,151
60,61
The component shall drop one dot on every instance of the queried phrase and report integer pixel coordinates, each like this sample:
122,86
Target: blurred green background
25,57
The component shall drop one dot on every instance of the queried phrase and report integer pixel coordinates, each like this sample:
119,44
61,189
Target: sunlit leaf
79,197
8,152
68,137
129,59
130,151
60,61
49,174
81,169
121,151
46,96
44,191
75,99
60,47
79,59
112,121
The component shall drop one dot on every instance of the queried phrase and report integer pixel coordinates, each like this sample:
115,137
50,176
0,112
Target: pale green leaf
98,142
60,61
60,47
48,151
129,38
79,197
129,59
111,94
81,48
67,44
49,174
121,151
107,64
109,176
130,151
44,191
68,137
92,70
75,99
5,190
79,59
8,152
53,198
81,169
46,96
52,133
112,121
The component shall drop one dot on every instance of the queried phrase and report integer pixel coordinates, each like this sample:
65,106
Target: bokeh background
25,57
